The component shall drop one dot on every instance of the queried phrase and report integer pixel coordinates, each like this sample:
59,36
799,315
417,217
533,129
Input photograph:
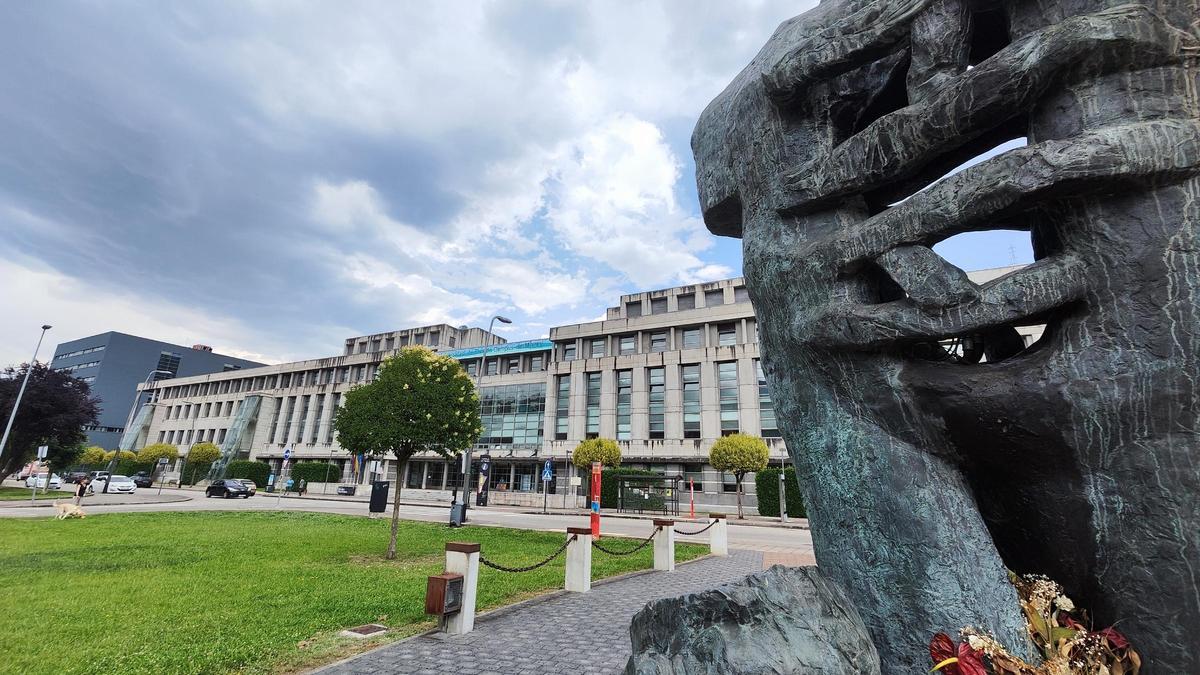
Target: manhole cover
364,631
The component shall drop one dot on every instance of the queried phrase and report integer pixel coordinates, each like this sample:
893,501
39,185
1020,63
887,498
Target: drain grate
365,631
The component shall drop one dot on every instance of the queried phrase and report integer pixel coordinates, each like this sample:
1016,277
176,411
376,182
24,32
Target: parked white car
40,482
118,484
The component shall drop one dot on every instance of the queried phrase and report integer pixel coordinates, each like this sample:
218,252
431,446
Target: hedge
255,471
609,486
194,472
314,472
128,467
766,483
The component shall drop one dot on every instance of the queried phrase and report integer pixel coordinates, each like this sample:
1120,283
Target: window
513,365
568,352
435,338
593,405
728,482
493,366
658,341
304,403
658,306
162,435
741,294
656,378
221,435
562,406
207,409
714,298
80,352
419,339
624,404
690,376
416,471
766,412
434,472
513,415
628,344
727,388
596,348
333,406
691,338
362,348
633,308
287,421
316,427
686,301
727,334
168,361
404,340
389,344
376,344
472,367
453,341
535,363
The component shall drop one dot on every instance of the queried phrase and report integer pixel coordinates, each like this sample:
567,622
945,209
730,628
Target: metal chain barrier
701,531
527,568
645,542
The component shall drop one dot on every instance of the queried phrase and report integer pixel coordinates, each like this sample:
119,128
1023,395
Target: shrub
203,453
609,486
194,472
314,472
92,455
603,450
126,455
128,467
766,483
255,471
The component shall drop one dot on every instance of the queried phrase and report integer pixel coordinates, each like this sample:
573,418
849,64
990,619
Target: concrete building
114,364
666,374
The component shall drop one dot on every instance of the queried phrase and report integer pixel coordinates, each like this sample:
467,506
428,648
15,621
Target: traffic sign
287,453
163,460
42,451
547,471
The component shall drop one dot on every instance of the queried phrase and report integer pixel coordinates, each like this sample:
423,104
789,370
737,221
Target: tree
603,450
152,453
739,454
126,455
53,412
199,459
419,402
92,455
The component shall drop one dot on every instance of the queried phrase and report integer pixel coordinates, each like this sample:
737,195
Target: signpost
287,454
692,500
42,451
485,483
162,472
595,500
547,473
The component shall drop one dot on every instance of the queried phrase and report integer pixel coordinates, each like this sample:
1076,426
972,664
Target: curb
48,503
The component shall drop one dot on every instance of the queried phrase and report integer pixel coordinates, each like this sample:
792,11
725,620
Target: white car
117,485
40,482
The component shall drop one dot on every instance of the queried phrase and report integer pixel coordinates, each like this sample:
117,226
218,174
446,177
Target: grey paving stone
552,637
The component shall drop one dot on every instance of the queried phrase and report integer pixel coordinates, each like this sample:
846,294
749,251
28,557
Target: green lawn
8,494
236,592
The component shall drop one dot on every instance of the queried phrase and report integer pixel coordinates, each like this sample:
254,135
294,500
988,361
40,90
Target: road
788,542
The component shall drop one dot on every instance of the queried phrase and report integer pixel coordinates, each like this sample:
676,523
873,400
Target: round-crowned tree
126,455
739,454
420,401
152,453
603,450
92,455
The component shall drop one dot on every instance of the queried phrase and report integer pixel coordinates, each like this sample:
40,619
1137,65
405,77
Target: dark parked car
227,487
76,476
142,479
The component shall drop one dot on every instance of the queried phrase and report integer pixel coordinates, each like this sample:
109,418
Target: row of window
389,343
656,388
724,335
80,352
307,378
77,366
303,408
198,410
508,365
190,436
684,301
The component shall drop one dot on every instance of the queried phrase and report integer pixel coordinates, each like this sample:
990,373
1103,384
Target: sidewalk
581,633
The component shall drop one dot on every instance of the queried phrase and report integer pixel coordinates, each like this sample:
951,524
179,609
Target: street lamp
466,463
137,398
13,415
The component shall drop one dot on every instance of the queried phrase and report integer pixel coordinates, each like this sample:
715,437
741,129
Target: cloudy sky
270,178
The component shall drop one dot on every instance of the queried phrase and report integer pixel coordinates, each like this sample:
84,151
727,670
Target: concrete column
424,474
463,558
579,560
718,538
664,545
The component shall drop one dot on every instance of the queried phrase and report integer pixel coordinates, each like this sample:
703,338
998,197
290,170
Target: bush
92,455
203,453
603,450
127,467
152,453
609,486
126,455
255,471
194,472
314,472
766,483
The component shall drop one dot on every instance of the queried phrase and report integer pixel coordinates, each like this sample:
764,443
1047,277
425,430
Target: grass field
236,592
8,494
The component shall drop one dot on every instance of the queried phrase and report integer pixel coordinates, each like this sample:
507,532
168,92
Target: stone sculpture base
783,620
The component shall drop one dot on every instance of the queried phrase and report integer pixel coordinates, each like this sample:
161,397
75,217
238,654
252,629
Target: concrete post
718,539
579,560
664,545
783,515
463,558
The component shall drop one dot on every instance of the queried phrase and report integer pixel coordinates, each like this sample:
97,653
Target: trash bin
346,489
457,510
379,496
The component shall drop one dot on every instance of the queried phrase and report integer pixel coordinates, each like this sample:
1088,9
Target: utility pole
21,392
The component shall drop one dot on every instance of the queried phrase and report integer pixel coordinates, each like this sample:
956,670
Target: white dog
67,510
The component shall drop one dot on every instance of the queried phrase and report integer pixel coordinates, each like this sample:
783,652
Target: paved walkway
579,633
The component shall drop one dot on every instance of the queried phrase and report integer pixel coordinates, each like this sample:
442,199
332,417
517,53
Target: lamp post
21,392
137,398
466,463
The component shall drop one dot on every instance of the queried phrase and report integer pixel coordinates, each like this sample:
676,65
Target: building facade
114,364
665,374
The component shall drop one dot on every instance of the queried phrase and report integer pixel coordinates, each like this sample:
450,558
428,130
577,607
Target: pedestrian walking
81,489
303,487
